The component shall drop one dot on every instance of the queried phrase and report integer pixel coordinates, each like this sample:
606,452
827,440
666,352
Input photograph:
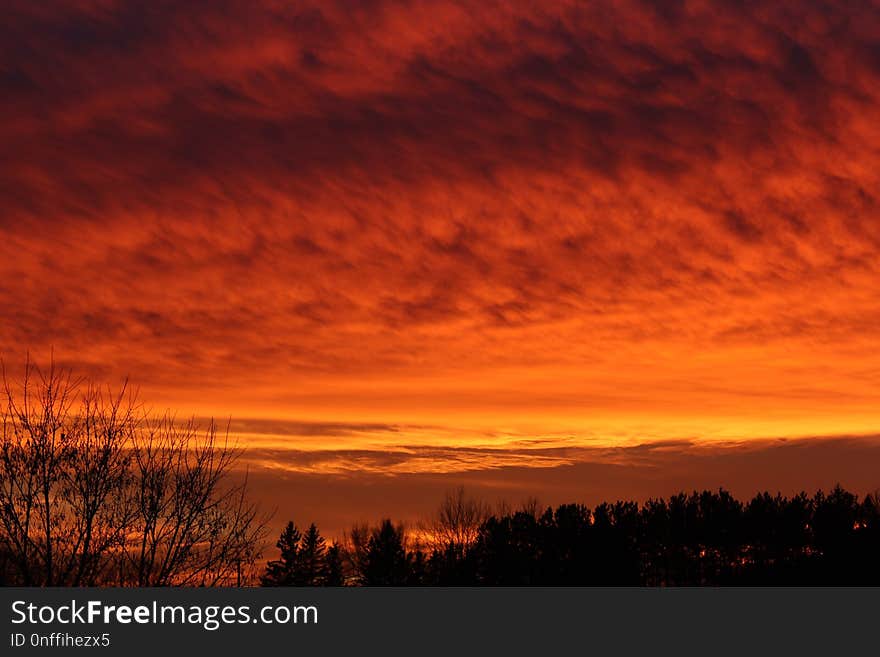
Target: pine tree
386,563
282,572
310,565
333,574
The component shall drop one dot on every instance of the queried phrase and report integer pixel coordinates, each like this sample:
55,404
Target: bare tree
62,459
456,522
190,525
97,469
93,492
355,550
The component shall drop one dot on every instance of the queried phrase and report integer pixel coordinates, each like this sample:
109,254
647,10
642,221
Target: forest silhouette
706,538
96,492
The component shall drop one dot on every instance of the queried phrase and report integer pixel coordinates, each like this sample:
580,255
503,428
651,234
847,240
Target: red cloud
416,209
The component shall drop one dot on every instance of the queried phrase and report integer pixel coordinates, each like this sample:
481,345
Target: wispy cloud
624,213
337,489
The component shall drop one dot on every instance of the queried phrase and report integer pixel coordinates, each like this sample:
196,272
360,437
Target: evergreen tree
282,572
702,538
310,564
386,562
333,575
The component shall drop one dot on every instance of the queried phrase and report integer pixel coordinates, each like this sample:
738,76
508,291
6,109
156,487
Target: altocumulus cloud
675,203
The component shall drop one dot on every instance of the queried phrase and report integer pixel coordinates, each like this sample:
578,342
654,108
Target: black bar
456,621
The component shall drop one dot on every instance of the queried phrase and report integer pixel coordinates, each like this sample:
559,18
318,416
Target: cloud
409,210
262,426
335,500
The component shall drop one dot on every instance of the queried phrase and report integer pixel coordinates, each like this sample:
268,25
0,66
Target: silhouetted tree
693,539
835,524
417,568
385,562
282,571
508,550
701,538
311,564
355,550
92,492
191,525
456,523
335,575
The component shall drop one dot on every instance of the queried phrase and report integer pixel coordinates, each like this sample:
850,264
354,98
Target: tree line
94,491
703,538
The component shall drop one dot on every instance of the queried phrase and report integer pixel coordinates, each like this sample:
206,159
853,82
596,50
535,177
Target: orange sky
476,236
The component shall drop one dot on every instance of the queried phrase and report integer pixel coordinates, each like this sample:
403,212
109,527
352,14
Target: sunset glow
438,239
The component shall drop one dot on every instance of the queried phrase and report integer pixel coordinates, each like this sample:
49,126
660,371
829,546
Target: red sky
405,244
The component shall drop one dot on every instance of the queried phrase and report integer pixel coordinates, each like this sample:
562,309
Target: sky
570,250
